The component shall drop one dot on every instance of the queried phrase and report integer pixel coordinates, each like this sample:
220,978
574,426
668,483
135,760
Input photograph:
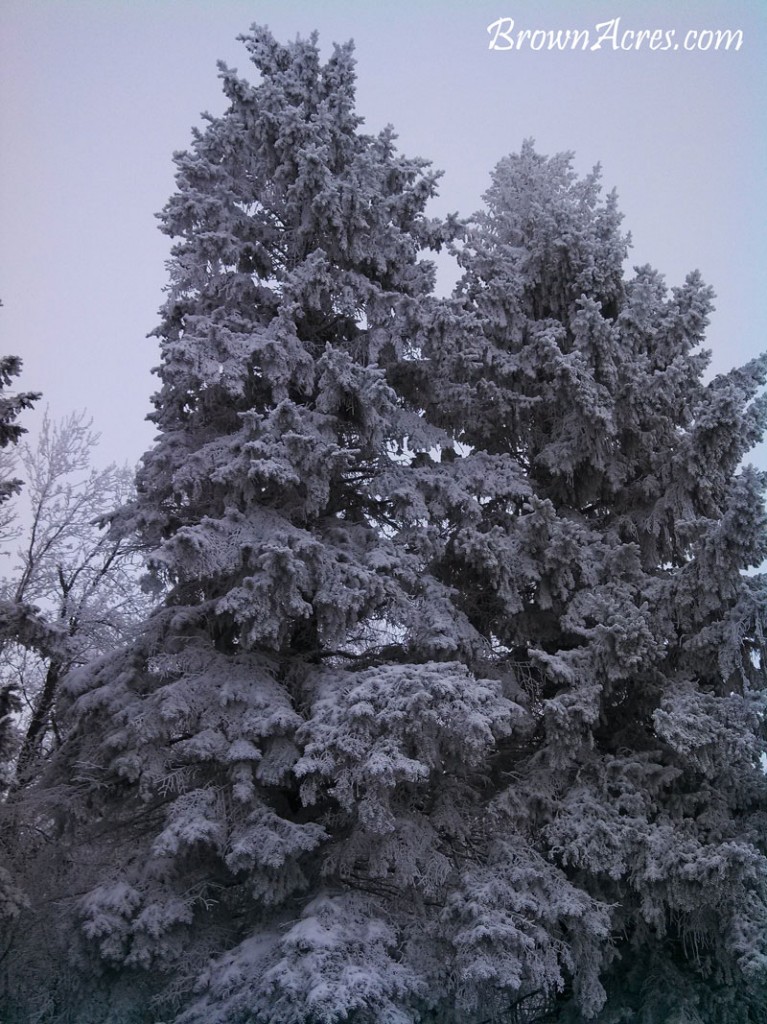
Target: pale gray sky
95,96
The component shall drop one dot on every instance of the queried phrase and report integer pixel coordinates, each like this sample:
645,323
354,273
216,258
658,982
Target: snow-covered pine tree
15,618
616,594
267,792
11,405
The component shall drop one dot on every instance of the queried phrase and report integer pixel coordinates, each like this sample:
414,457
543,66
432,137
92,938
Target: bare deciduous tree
71,590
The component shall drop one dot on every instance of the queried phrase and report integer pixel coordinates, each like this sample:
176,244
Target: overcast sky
95,97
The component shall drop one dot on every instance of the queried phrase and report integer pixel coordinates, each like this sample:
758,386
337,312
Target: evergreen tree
10,407
15,618
453,712
617,597
214,803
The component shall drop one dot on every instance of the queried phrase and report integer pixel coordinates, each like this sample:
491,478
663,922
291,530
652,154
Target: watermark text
611,35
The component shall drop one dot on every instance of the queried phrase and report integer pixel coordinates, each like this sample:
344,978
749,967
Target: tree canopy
454,710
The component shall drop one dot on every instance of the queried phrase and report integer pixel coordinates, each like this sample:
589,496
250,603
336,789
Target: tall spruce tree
453,713
617,596
252,819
